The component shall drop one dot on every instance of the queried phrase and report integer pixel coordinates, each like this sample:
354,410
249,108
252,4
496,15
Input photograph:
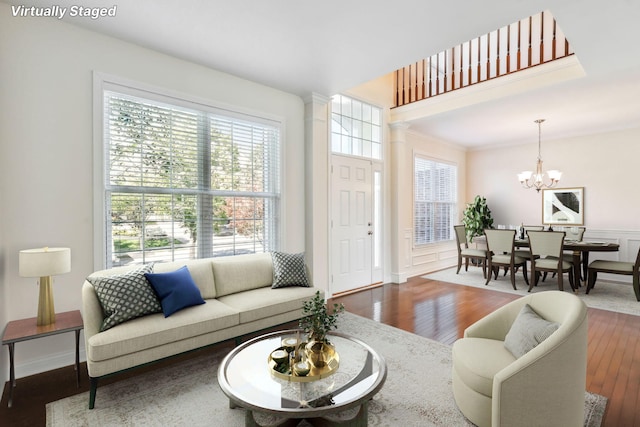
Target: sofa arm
92,314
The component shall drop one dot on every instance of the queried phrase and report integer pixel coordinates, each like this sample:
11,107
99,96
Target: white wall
604,164
46,173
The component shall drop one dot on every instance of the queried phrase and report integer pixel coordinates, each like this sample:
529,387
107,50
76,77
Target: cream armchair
543,387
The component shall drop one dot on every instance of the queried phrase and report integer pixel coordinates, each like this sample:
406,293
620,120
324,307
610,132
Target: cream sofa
543,387
238,298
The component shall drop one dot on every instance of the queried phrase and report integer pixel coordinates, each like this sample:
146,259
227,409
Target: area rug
606,295
417,391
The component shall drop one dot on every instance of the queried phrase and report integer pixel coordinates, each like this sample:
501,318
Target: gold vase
319,353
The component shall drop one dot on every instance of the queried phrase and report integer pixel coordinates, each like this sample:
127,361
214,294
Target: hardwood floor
441,311
436,310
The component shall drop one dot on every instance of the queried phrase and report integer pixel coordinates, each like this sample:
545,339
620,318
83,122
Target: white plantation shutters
186,181
435,200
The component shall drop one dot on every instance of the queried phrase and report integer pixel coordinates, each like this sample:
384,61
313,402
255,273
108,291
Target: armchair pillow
527,331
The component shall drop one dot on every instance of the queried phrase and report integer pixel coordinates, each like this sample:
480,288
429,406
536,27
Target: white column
401,203
316,201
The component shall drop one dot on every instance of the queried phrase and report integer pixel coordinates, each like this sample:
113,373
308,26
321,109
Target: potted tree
477,217
317,321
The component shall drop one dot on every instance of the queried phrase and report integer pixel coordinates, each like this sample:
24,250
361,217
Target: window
435,200
184,180
356,128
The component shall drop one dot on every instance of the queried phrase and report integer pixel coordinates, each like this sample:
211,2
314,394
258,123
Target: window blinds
435,200
187,182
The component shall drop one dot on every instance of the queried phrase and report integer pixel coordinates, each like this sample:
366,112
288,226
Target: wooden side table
27,329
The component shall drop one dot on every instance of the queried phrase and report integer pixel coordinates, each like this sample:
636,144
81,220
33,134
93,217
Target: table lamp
44,263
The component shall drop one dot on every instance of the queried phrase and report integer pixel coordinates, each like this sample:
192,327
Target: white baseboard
399,277
48,363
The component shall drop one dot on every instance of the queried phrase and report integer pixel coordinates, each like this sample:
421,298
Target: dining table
580,250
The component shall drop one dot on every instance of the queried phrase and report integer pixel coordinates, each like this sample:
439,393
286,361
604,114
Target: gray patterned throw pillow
126,296
289,270
527,331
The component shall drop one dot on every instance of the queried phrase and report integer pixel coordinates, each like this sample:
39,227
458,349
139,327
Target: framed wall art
563,206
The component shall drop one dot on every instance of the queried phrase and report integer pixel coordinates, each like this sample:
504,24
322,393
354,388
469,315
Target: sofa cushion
156,330
125,296
478,360
175,289
527,331
201,272
239,273
265,302
289,270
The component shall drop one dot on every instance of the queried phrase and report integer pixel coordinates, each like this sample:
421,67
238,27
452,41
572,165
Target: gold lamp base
46,312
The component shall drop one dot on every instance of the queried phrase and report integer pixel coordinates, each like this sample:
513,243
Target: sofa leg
92,391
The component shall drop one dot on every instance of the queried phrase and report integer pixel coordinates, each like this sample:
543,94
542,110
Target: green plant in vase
316,323
477,217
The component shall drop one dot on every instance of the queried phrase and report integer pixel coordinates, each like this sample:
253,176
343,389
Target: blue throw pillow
176,290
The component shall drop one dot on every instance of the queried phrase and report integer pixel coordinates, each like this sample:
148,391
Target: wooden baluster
424,78
553,45
530,51
469,66
416,86
438,74
488,56
498,54
542,37
508,49
407,84
453,68
461,66
446,74
404,96
519,53
430,78
412,78
479,66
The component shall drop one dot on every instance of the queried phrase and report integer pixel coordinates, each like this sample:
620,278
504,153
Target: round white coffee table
245,377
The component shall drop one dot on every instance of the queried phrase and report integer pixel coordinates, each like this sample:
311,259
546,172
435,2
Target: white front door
352,223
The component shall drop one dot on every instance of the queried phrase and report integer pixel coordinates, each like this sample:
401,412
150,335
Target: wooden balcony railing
521,45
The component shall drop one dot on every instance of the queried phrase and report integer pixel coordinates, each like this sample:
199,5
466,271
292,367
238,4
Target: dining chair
546,252
526,253
464,251
500,247
615,267
574,234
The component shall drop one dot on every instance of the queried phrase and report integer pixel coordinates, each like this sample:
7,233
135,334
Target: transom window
185,181
435,200
356,128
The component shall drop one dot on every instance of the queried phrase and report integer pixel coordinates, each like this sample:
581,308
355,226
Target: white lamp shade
524,176
44,262
555,175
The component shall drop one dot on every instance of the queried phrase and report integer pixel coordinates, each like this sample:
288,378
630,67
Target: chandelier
535,180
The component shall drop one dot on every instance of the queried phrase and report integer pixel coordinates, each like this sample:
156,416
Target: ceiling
330,46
